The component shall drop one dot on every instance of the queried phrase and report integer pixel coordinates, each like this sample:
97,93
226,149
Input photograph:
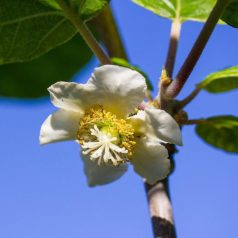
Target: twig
73,16
198,47
106,26
183,103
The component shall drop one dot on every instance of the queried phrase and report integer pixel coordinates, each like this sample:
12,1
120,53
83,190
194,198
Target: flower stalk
86,34
176,86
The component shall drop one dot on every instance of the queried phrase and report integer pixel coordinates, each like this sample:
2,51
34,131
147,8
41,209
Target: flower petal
161,125
59,126
119,89
72,96
138,122
103,174
150,160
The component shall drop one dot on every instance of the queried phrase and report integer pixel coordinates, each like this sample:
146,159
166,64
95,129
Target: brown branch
197,49
160,207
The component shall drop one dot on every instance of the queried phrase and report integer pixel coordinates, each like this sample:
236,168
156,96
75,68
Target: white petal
142,127
103,174
150,160
138,122
120,90
72,96
156,124
59,126
163,126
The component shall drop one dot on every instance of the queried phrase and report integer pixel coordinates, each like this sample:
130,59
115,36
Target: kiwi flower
103,117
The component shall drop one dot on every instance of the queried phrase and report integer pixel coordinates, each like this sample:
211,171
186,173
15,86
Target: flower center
105,137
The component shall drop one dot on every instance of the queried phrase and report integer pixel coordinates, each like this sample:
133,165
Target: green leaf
221,81
221,132
230,16
87,8
91,8
125,63
31,79
184,10
51,3
29,29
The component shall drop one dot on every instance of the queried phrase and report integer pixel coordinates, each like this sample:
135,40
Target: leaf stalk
173,45
170,61
86,34
183,103
194,122
107,28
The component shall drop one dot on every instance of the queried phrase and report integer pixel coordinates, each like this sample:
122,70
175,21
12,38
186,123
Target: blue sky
43,188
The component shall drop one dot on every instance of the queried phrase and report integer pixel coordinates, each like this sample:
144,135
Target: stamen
105,138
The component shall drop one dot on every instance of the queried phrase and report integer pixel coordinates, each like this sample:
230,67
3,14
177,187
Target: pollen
105,137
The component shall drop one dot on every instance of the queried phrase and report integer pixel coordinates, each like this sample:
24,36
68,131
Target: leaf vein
47,34
14,39
30,17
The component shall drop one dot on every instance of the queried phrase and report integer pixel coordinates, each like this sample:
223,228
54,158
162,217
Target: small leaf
125,63
29,29
221,132
184,10
221,81
230,16
31,79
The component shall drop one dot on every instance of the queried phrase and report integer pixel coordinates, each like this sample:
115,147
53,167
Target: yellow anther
165,80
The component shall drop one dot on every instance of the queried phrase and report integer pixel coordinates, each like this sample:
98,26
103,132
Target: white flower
101,115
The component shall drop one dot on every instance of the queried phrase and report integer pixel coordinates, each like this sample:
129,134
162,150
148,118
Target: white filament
103,149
